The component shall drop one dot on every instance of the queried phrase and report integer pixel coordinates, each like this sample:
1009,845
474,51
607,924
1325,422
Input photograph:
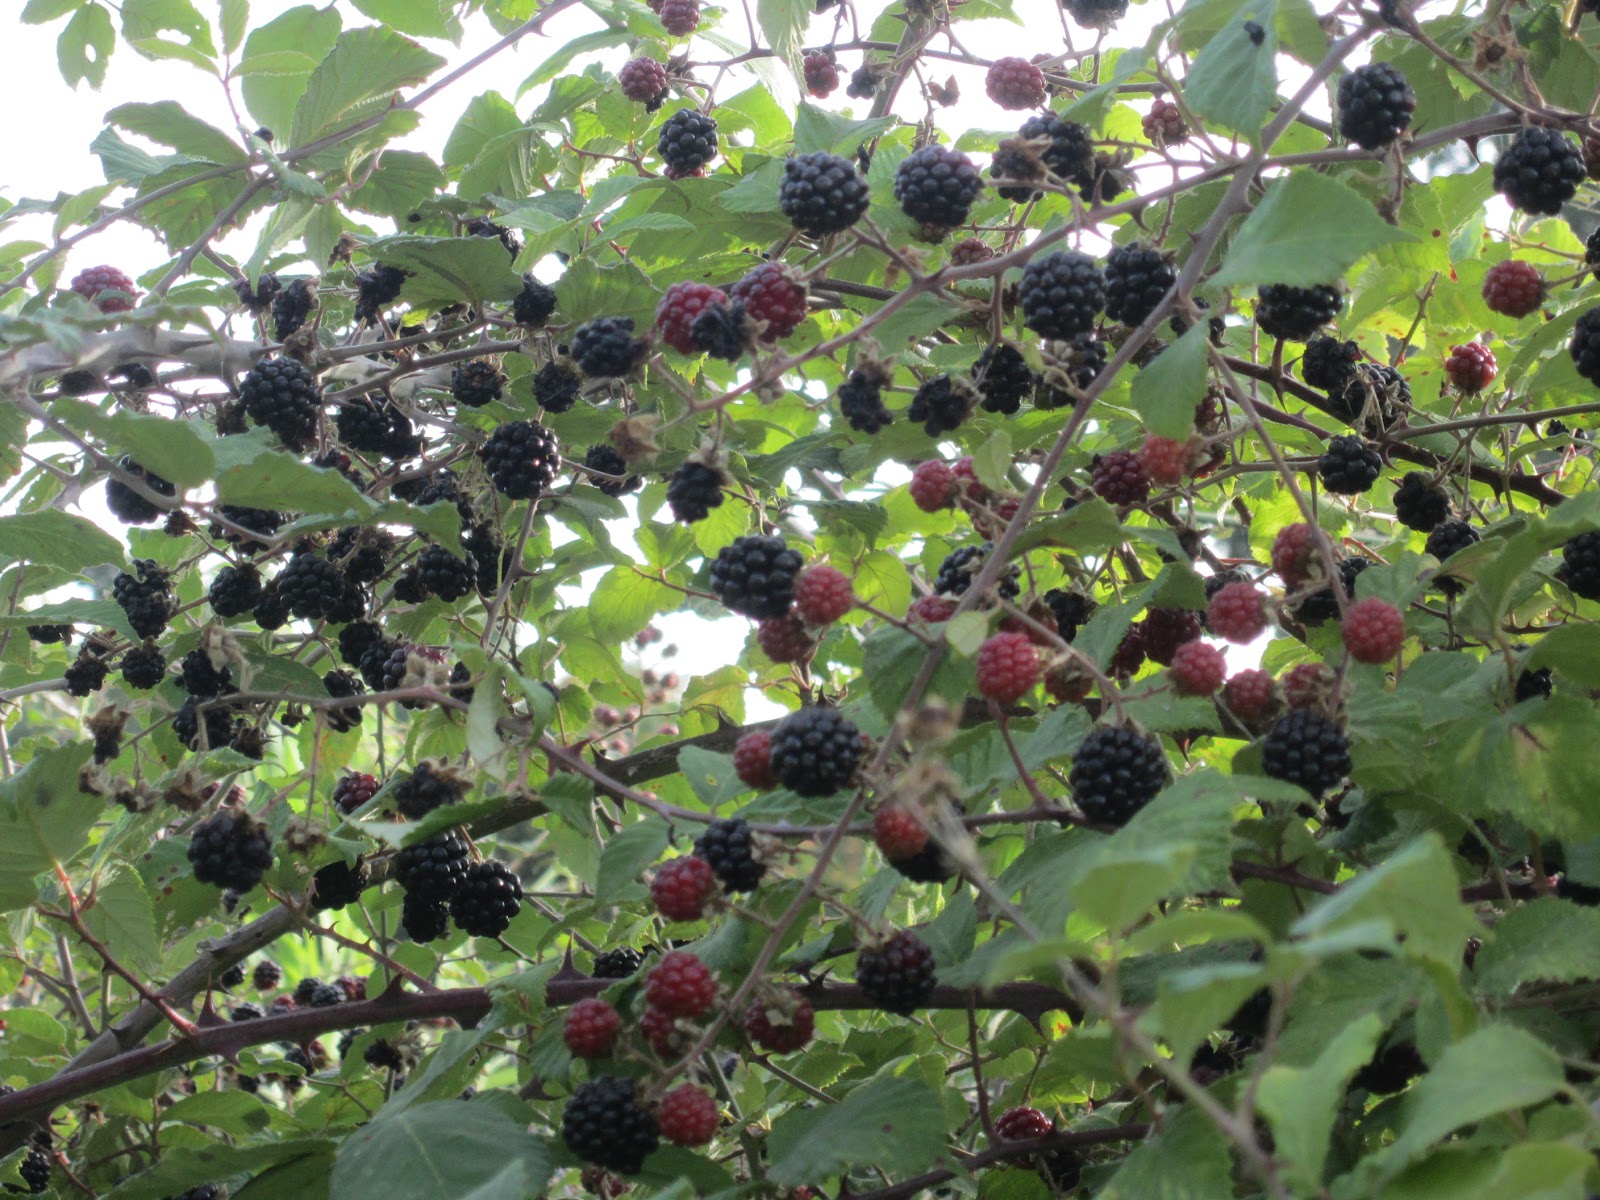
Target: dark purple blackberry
1390,1069
34,1170
423,920
342,685
361,555
1328,363
371,426
1372,398
203,678
721,330
446,575
534,303
522,458
231,978
1045,143
326,995
493,562
382,1055
754,576
1062,294
234,591
619,963
435,868
605,347
310,585
208,728
283,394
144,667
936,186
728,846
260,522
961,566
291,307
1420,503
1580,565
863,83
230,849
460,674
1540,171
1591,245
693,491
50,635
1375,105
127,505
80,383
1071,609
861,400
822,193
1116,772
356,639
815,751
304,989
1348,466
1532,685
476,383
270,611
375,660
688,141
942,404
1320,606
266,976
487,901
1137,277
1095,14
897,976
556,385
246,1011
86,675
1295,313
427,788
439,487
604,1123
606,461
1307,749
259,298
1446,539
483,227
338,885
1585,345
1003,377
376,289
146,598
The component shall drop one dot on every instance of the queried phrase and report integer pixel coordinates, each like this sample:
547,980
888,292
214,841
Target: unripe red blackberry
786,639
1116,772
1540,170
1007,666
970,250
1015,84
898,976
1165,460
487,900
1165,629
354,790
1198,669
522,459
283,395
770,294
1119,478
1164,124
681,888
680,17
688,1116
752,760
1295,313
604,1123
1250,695
1022,1124
230,849
822,594
1308,749
1294,554
1237,612
680,985
688,140
898,831
643,80
822,193
127,505
933,486
1373,630
680,305
815,751
591,1028
1348,466
107,288
1471,367
821,74
936,186
1062,293
782,1023
1513,288
1375,105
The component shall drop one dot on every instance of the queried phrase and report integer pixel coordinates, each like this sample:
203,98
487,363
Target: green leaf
83,613
992,460
818,129
206,1161
170,124
892,1123
1126,881
420,18
966,632
447,271
1165,392
170,448
294,43
271,478
123,918
1234,79
85,46
1308,229
42,12
444,1148
1303,1102
1546,940
57,539
624,601
1573,650
43,820
710,775
358,79
233,18
784,22
626,855
1187,1160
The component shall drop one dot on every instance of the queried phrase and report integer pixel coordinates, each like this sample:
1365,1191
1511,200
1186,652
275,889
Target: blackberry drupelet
815,751
961,566
434,869
754,576
476,383
1580,565
487,901
522,459
1375,105
1295,313
618,963
1137,277
234,591
861,401
556,385
606,461
291,307
1446,539
1328,363
897,976
1116,772
203,678
143,667
423,920
376,289
1308,749
604,1123
1348,466
343,685
146,598
688,140
1585,345
445,575
1062,293
309,586
283,394
427,788
693,491
605,347
230,849
1540,171
338,885
822,193
534,304
727,846
942,404
1003,378
936,187
127,505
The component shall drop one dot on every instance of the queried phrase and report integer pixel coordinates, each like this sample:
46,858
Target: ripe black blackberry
34,1170
215,722
1320,606
310,585
1071,609
1585,345
232,977
1328,363
283,394
86,675
361,555
476,383
446,575
815,751
1306,748
234,591
246,526
935,187
127,505
376,289
230,849
1116,772
338,885
1137,277
291,307
1003,378
863,83
688,141
605,347
606,461
144,667
1062,293
522,458
265,976
1095,14
342,685
270,611
1372,399
383,1055
375,660
1420,503
1446,539
556,385
325,995
861,399
508,237
146,598
201,677
727,846
693,491
376,427
604,1123
423,920
493,561
1348,466
722,331
897,976
487,901
1540,170
258,299
1045,143
50,635
619,963
534,303
1580,565
1295,313
942,404
822,193
1375,105
427,788
355,639
961,566
754,576
435,868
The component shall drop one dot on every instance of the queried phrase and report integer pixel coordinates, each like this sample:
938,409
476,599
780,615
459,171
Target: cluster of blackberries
441,881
